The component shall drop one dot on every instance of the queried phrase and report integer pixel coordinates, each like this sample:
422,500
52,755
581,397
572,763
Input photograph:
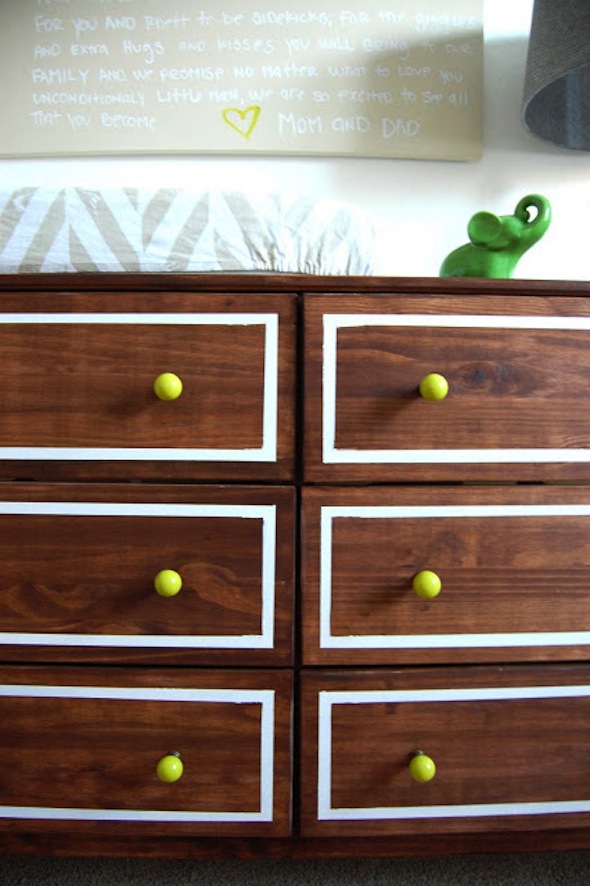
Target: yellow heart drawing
242,121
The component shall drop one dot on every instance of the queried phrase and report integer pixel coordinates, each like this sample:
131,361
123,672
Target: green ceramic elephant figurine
498,242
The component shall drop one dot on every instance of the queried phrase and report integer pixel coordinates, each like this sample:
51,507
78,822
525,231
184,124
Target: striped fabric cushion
130,229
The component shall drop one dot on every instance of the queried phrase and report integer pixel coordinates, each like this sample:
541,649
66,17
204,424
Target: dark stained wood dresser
293,565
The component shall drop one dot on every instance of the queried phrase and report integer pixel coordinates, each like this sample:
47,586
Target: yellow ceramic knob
427,584
168,583
434,387
170,768
168,386
422,767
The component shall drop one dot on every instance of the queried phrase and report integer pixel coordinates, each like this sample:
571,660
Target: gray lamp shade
556,99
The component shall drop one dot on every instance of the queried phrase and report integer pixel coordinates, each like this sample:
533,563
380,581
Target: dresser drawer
513,565
517,371
78,382
79,564
83,747
509,747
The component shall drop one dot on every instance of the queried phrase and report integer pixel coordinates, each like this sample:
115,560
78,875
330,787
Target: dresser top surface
220,281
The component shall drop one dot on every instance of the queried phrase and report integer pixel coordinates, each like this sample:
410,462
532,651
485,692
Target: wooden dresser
293,565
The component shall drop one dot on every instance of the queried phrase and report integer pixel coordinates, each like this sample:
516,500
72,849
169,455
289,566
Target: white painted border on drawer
265,513
434,641
332,455
326,701
267,451
264,697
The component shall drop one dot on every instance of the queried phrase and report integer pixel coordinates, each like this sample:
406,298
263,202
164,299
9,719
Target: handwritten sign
373,78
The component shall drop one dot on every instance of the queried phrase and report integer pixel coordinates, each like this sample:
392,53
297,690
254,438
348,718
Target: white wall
422,207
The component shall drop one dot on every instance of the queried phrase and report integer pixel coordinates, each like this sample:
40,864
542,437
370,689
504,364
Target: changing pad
175,230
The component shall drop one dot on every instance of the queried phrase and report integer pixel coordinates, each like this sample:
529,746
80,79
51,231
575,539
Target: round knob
434,387
170,768
168,386
422,767
168,583
427,584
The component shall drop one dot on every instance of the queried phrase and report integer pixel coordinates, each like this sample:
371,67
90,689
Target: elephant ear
483,228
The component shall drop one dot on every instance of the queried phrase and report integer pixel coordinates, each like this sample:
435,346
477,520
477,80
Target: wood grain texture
62,844
509,389
79,753
272,283
525,389
486,751
90,385
500,574
93,575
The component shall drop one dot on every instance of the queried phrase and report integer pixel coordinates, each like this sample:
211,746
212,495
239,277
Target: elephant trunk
535,227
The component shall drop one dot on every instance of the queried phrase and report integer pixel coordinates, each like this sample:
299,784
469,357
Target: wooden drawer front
515,367
510,749
514,564
78,575
79,387
84,747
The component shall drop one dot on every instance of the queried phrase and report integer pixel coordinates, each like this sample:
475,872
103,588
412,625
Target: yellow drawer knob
170,768
168,583
434,387
427,584
421,766
168,386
